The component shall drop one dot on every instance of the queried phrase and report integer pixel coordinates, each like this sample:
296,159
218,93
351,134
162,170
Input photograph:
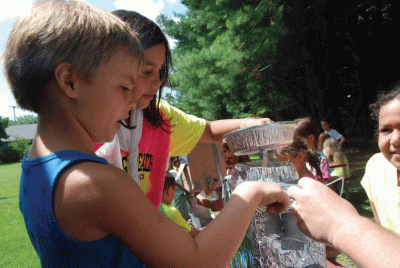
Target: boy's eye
125,89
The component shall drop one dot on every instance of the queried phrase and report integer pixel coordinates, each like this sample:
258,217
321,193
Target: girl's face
389,132
150,81
231,158
325,125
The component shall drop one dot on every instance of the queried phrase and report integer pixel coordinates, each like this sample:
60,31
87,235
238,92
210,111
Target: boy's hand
275,199
216,205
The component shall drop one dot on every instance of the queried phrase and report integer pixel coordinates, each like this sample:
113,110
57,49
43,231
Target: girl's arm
326,217
215,130
108,202
376,217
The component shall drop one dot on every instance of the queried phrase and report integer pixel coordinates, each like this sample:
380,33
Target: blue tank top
55,248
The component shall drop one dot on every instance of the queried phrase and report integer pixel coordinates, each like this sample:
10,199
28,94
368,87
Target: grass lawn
16,249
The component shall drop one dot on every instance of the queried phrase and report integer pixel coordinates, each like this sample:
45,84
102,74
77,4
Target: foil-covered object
260,138
276,240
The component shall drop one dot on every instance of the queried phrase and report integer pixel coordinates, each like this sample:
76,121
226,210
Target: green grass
16,249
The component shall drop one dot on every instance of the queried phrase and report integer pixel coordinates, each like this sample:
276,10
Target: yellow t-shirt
186,129
174,214
380,184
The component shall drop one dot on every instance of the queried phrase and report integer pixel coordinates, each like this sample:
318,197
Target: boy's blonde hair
61,31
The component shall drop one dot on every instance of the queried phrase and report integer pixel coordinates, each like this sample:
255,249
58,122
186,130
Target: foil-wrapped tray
255,139
273,240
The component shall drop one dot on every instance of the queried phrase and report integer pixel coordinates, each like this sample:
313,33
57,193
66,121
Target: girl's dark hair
298,146
150,35
384,98
306,127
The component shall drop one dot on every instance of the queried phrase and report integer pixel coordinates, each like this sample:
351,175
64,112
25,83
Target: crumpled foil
273,240
251,140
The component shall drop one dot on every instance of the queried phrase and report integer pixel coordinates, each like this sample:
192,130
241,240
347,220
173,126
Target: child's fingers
293,192
277,207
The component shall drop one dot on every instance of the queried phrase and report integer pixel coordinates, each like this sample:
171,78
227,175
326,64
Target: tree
316,57
3,125
24,120
223,56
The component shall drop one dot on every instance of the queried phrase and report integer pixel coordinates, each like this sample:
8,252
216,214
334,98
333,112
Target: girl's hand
320,212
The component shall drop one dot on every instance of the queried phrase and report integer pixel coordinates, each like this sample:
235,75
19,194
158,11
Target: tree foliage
223,56
3,125
24,120
285,58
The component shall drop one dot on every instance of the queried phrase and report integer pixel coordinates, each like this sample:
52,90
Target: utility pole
13,106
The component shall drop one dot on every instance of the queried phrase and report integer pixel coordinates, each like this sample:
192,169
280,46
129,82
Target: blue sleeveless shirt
54,247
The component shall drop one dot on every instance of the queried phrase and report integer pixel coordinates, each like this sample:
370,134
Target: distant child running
76,66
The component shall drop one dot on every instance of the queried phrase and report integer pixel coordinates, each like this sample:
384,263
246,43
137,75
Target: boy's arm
109,206
326,217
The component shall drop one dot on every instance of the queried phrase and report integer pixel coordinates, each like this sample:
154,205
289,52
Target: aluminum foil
283,173
273,240
260,138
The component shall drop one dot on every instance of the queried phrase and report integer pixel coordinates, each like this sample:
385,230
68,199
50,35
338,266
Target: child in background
231,160
381,180
299,154
76,67
307,131
332,149
181,199
322,137
168,209
327,127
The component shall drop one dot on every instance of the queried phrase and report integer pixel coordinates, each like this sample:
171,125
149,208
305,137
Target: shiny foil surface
273,240
260,138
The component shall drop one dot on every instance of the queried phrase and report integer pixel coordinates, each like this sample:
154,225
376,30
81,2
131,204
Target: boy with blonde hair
76,66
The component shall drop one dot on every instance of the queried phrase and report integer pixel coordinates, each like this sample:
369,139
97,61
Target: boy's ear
311,137
65,77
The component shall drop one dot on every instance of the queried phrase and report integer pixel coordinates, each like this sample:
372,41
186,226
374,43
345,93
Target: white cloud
149,8
172,2
13,8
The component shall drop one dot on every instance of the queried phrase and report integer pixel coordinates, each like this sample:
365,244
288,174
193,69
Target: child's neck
303,171
59,134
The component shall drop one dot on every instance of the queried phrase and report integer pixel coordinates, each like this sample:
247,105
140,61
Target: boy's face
108,97
170,195
149,81
389,132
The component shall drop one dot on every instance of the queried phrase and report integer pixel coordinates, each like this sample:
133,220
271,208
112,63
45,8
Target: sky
11,9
